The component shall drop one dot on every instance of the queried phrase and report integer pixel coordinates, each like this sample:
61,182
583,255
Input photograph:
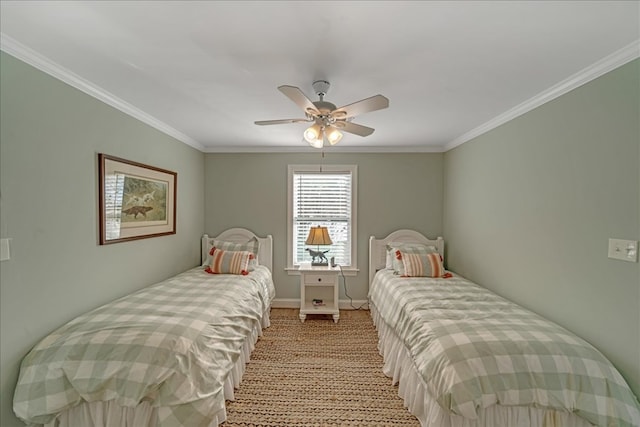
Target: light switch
625,250
4,250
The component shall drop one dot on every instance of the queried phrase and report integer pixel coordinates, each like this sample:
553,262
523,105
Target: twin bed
171,354
167,355
463,356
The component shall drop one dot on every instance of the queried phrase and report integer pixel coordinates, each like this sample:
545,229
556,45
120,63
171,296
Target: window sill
347,271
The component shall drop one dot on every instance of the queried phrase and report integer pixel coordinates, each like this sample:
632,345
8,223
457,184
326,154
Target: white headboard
378,247
242,235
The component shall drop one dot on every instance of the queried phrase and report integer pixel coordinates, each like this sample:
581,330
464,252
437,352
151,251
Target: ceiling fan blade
279,122
297,96
353,128
373,103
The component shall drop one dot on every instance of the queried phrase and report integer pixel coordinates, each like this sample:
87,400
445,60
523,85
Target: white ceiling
203,72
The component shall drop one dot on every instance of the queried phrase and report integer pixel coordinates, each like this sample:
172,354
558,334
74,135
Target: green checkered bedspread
172,343
474,349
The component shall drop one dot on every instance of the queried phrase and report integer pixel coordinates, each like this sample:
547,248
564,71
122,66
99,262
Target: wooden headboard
242,235
378,247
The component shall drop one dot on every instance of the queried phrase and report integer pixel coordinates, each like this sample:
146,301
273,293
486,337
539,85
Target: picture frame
136,201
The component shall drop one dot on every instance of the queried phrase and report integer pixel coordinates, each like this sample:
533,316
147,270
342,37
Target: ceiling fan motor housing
321,87
324,107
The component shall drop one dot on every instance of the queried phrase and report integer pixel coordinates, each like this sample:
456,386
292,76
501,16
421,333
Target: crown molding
608,63
25,54
344,149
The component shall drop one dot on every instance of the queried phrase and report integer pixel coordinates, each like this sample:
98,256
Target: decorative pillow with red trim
392,247
422,265
229,262
251,246
394,263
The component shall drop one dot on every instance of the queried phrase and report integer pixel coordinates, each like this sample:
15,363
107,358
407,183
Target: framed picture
136,201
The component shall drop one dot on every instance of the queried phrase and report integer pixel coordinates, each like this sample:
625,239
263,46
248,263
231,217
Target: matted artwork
137,201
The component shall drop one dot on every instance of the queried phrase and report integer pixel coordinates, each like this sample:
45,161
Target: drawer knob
319,279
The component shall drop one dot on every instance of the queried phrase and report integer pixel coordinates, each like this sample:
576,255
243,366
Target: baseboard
356,304
285,303
342,304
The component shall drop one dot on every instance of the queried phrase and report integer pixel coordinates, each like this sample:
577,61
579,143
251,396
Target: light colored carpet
317,373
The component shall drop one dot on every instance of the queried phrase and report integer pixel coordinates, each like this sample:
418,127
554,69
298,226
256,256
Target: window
324,196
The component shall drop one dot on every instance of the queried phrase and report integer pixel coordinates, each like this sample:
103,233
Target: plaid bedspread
172,343
474,349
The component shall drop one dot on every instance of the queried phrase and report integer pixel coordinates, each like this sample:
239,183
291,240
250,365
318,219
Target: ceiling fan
328,121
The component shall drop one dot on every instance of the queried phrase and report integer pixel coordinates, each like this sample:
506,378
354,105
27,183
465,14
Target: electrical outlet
625,250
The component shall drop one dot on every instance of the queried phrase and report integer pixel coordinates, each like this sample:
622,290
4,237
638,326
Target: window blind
322,199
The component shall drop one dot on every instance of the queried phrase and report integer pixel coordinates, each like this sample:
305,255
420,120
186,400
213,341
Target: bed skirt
110,413
399,367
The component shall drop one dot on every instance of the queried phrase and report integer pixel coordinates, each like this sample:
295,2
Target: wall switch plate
5,254
625,250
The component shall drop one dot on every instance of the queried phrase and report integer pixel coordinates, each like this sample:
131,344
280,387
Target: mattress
170,347
473,350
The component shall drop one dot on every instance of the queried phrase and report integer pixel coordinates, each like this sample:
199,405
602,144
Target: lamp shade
312,134
318,236
316,135
333,135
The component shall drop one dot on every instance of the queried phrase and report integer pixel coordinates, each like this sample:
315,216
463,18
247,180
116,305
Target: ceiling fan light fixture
333,135
312,133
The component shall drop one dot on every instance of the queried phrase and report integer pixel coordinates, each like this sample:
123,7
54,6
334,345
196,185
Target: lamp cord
344,283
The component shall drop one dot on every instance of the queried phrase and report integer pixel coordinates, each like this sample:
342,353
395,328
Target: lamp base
319,264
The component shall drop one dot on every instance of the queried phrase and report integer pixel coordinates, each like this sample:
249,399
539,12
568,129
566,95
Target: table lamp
318,236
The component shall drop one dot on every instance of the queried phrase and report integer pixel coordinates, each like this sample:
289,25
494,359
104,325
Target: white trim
342,149
31,57
353,169
603,66
609,63
357,303
285,303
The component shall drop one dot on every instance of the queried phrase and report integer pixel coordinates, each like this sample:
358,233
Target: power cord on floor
344,283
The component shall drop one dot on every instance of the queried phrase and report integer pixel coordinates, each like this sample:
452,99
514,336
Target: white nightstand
319,284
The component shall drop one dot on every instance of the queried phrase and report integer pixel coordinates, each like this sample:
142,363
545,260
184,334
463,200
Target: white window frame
349,270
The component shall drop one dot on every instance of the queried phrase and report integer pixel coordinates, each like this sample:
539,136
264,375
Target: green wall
526,210
529,208
49,140
394,191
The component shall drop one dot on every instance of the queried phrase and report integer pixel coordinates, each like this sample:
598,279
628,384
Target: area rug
317,373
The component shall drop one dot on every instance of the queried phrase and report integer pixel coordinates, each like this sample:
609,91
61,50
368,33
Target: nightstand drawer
319,279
